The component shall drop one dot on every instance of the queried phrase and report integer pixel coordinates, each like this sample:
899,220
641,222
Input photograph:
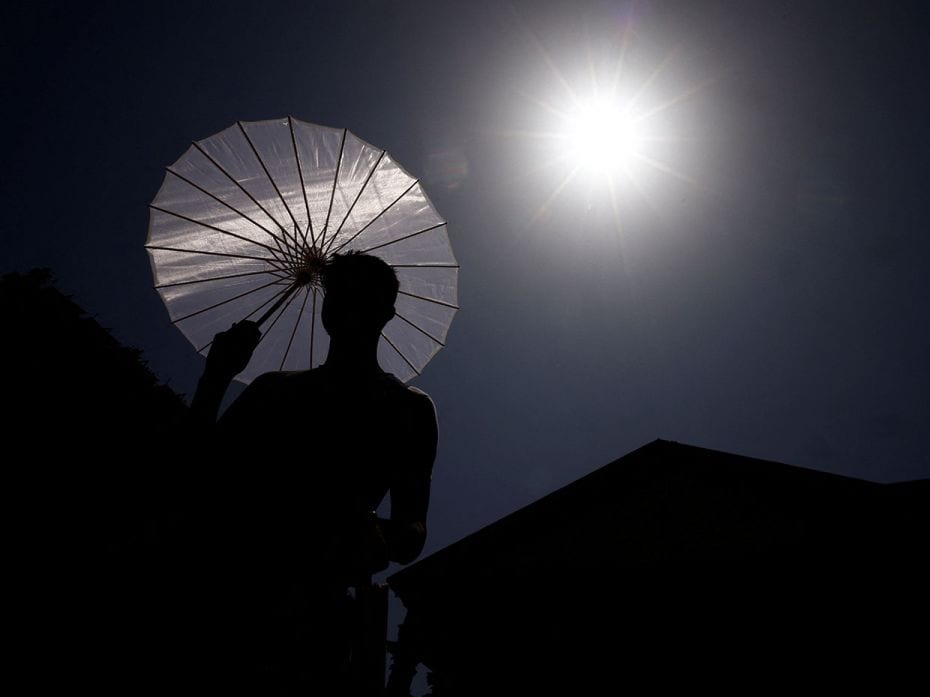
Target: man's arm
405,532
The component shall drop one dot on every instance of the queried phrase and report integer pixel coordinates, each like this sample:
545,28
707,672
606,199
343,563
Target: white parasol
245,220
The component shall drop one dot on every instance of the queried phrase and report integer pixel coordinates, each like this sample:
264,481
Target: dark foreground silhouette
673,566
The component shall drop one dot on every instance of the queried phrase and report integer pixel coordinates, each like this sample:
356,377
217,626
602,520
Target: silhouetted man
308,457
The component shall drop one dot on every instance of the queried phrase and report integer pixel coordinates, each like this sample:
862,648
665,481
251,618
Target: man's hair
368,278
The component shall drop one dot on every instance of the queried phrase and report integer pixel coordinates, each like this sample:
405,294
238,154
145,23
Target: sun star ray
666,169
652,76
692,91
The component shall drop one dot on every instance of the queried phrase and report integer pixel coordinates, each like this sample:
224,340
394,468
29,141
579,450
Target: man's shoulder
421,408
407,398
417,395
409,392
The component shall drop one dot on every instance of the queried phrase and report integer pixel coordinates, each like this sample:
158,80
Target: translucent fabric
243,218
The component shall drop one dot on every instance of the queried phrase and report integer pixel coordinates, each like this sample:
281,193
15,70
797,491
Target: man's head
360,293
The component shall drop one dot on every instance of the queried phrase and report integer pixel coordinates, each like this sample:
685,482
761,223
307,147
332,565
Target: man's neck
353,357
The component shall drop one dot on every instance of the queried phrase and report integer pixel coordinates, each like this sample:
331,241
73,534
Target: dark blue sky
767,297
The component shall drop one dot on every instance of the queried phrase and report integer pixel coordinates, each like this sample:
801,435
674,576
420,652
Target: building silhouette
674,566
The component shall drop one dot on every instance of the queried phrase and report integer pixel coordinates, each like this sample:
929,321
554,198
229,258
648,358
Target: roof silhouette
671,554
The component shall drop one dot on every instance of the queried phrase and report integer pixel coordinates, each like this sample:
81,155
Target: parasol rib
419,329
357,197
216,278
287,294
267,302
283,310
303,188
294,330
429,300
273,184
246,192
405,237
312,325
332,195
220,230
221,201
397,350
383,211
217,254
223,302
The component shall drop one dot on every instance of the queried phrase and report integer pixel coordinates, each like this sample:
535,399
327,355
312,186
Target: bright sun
608,130
602,136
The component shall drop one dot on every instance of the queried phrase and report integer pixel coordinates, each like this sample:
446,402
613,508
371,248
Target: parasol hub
311,266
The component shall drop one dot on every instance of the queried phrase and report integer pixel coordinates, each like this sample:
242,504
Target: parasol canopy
246,219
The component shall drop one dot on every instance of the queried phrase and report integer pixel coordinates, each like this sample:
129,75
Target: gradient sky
760,288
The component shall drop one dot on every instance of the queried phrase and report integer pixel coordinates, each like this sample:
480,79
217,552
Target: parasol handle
280,301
